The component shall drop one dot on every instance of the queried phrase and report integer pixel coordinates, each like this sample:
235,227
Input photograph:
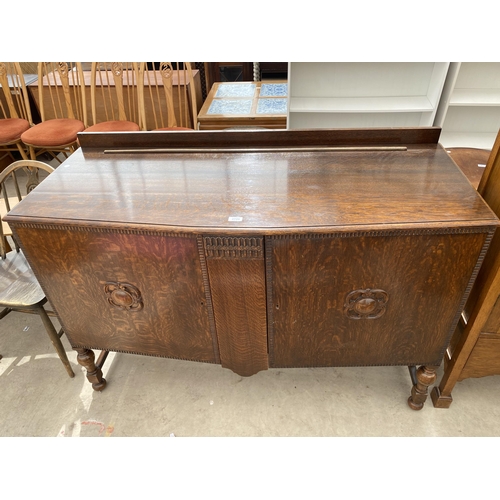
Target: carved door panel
375,299
124,291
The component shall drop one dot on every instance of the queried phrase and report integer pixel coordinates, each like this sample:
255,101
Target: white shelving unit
364,94
469,111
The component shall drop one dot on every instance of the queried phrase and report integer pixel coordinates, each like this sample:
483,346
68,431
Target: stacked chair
157,89
15,109
63,114
115,97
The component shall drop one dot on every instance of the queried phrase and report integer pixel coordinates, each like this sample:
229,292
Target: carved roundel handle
365,304
123,295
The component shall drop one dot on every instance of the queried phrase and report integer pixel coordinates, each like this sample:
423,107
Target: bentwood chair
114,97
63,110
15,112
19,288
474,349
168,97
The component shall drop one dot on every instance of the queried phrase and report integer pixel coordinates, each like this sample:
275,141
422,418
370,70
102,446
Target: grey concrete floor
148,396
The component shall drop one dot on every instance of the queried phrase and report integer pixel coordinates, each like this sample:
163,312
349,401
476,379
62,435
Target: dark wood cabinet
259,249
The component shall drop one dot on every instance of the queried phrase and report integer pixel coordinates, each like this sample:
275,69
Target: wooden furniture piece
364,94
113,88
15,111
474,349
19,289
469,110
67,111
259,249
271,70
229,72
156,87
245,104
471,161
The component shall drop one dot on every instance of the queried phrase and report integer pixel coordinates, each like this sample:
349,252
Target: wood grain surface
484,359
238,285
74,267
257,258
258,192
93,142
471,161
424,277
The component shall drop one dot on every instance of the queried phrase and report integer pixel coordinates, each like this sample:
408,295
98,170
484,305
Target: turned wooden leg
86,359
426,376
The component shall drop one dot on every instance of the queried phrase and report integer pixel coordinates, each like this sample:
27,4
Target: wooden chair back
14,102
12,192
168,96
61,91
113,90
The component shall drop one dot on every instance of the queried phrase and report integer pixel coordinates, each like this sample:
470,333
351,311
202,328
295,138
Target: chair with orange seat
15,112
114,97
168,97
63,110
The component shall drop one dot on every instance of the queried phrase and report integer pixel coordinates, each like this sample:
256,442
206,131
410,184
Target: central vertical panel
236,273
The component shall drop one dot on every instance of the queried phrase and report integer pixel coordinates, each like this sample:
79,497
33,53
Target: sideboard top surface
254,190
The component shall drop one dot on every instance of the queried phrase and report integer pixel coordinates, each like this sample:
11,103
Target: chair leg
56,341
22,151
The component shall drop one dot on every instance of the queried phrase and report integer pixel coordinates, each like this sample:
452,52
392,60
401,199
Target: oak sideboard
259,249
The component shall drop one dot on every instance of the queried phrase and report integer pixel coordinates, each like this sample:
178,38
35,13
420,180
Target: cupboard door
347,300
123,291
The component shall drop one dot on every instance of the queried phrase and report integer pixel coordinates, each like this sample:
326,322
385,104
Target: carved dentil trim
388,232
90,229
123,296
365,304
222,247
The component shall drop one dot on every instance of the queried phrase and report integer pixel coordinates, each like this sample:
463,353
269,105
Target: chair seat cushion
18,285
12,128
114,126
13,201
56,132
